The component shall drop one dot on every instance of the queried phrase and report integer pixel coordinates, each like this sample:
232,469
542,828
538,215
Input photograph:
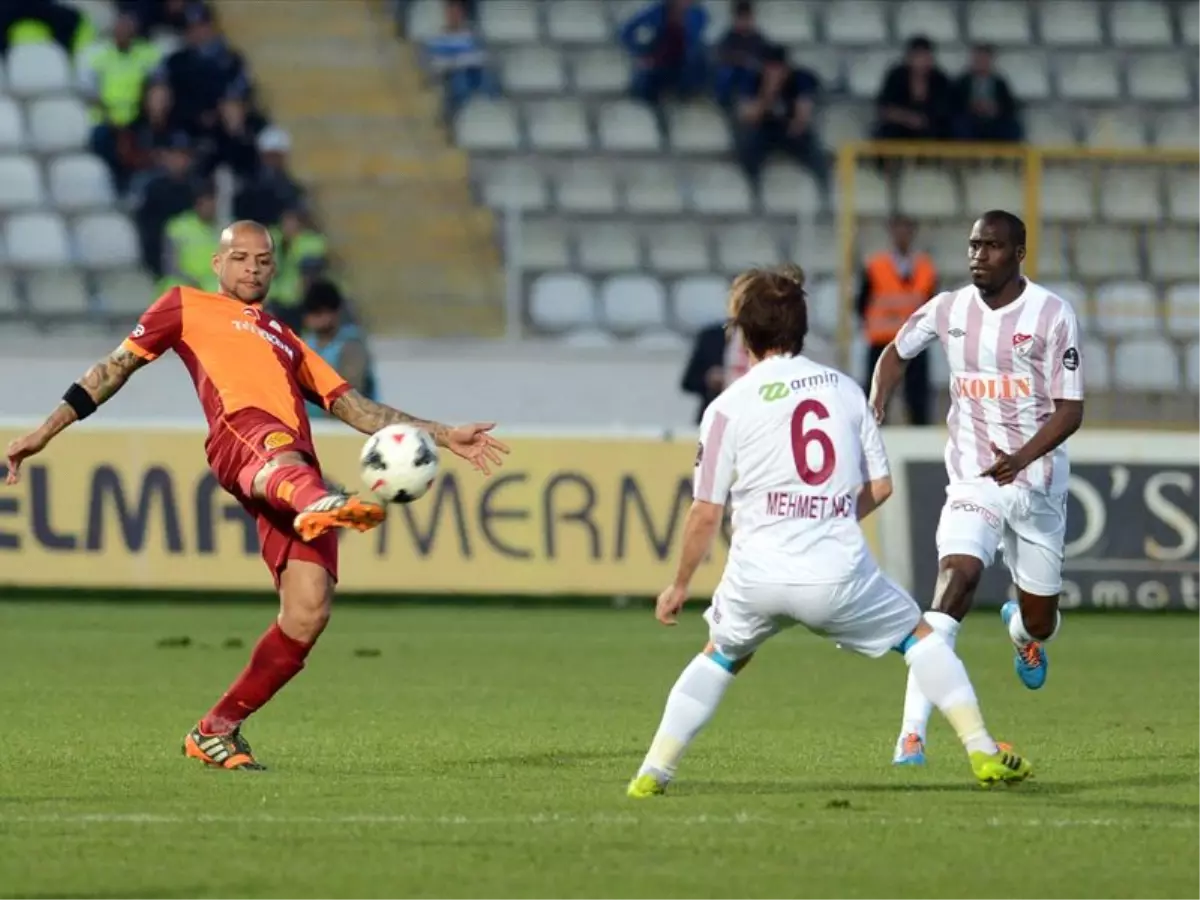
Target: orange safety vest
891,299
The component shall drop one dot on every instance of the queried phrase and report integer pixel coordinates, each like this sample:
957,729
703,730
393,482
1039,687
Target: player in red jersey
253,376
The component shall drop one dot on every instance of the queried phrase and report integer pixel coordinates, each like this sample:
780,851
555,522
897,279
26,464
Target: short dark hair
743,8
322,295
1016,228
919,42
770,308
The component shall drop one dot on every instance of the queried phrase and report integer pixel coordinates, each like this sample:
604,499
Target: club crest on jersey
1071,359
277,439
1022,344
249,312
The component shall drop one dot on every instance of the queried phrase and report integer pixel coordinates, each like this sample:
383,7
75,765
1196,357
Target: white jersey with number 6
790,444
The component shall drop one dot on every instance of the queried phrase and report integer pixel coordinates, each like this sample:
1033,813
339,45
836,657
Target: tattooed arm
368,417
100,382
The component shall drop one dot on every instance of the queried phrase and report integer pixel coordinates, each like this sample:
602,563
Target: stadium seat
589,339
1053,253
934,19
1131,195
697,129
510,22
10,295
1173,254
425,19
58,124
855,23
1070,23
999,22
80,182
562,301
101,13
871,194
1027,73
59,294
1147,364
786,22
1126,307
606,247
1183,310
36,69
604,70
928,193
947,244
1140,23
125,291
1074,294
1051,126
556,126
1097,365
1102,252
824,352
12,126
1189,20
534,70
577,22
844,122
1183,196
1191,364
652,188
1068,194
699,301
744,245
36,240
587,188
824,306
788,190
544,245
628,127
20,183
1116,127
516,185
659,340
815,248
487,125
681,249
1087,76
106,241
632,303
718,188
1159,78
994,189
719,19
1177,129
824,62
864,77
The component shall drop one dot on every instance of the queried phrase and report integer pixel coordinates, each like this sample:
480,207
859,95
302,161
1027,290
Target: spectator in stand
337,340
230,142
718,360
666,41
272,189
35,21
155,127
776,112
296,243
155,14
458,56
189,243
204,72
114,75
984,107
896,283
739,55
914,100
169,192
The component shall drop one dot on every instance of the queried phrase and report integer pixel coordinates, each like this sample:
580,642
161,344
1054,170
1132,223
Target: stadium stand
626,232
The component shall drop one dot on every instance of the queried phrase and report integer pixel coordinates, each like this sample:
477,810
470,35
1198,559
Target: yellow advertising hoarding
138,508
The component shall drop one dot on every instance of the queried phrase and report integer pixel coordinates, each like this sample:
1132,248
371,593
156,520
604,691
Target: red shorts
238,446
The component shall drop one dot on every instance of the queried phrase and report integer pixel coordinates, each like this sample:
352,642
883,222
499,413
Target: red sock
291,488
276,660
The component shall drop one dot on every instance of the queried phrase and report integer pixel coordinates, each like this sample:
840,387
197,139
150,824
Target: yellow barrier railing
1030,163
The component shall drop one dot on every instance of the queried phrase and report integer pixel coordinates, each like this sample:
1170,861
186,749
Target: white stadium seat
1102,252
578,22
994,189
608,247
20,183
1173,253
631,303
1087,76
1183,310
1140,23
36,69
1126,307
426,19
544,245
58,124
659,340
1183,196
719,189
1070,23
1068,194
106,241
514,185
562,301
604,70
557,126
1178,129
534,70
80,182
744,245
1051,127
871,196
789,23
12,126
589,339
628,127
999,22
931,18
866,74
681,249
700,301
125,291
36,240
652,188
509,21
928,193
1191,362
1160,77
697,129
1027,72
488,125
59,293
1147,364
1131,195
587,188
824,306
1097,365
1116,127
856,22
10,294
788,190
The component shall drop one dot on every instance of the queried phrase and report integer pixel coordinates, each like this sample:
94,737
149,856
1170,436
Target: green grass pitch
484,752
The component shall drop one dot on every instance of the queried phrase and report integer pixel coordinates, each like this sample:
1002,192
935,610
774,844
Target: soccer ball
399,463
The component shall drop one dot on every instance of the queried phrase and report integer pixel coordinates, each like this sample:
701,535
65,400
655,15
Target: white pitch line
835,818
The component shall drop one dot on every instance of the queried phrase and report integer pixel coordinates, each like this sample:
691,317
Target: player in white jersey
1016,394
795,448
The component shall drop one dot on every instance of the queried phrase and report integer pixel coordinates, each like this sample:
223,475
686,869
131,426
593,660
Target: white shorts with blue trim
867,613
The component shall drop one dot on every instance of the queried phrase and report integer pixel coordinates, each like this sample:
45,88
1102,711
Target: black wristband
80,401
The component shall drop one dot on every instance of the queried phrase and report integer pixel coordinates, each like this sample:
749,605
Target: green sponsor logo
776,390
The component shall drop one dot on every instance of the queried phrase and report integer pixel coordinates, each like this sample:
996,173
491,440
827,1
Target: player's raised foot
337,510
1030,661
644,786
1001,767
223,751
910,751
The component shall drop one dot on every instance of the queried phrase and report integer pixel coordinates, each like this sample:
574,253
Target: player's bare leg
290,483
1032,620
690,705
305,601
954,594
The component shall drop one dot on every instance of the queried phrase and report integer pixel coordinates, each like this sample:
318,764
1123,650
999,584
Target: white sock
1021,637
943,679
917,707
690,705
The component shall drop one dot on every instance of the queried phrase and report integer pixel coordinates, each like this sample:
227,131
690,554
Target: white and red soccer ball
399,464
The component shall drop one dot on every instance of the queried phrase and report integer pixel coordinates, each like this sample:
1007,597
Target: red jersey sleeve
320,381
159,328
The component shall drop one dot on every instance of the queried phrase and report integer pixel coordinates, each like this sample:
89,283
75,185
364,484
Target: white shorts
1031,527
868,613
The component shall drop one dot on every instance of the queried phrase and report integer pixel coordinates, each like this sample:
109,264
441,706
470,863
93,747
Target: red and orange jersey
240,357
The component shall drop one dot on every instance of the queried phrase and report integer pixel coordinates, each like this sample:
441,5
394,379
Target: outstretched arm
472,442
96,386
